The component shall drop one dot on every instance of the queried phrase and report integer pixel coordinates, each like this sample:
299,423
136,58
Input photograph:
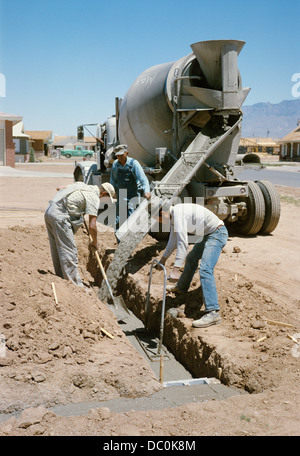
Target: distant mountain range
270,120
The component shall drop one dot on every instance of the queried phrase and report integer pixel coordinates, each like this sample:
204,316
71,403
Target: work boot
211,318
174,289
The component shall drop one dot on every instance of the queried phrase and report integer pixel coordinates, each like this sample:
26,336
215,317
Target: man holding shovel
64,216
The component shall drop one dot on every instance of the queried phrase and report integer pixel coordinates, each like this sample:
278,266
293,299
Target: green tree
32,155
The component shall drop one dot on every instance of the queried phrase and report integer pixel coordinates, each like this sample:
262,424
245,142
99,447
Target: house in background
89,143
40,141
70,142
7,146
59,142
21,141
259,145
290,146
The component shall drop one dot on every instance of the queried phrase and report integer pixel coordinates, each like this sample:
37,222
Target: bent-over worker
64,216
128,178
193,218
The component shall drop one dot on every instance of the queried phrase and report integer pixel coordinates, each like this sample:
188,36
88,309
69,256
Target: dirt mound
245,350
57,352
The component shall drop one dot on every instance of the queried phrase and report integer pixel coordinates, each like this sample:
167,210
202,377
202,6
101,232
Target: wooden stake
106,333
54,292
279,323
220,370
293,339
261,339
161,368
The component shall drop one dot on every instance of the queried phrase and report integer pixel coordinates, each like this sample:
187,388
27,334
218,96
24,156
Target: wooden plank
278,323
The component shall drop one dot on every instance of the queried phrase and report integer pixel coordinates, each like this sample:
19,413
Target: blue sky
65,61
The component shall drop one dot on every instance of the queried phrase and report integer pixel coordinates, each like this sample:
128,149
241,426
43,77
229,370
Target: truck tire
88,156
68,155
272,203
252,221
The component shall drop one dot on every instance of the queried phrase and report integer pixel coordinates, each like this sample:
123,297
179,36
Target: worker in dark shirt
130,182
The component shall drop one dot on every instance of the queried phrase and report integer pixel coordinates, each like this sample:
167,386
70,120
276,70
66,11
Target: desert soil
54,349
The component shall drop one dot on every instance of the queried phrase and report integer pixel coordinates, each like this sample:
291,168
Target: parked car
79,151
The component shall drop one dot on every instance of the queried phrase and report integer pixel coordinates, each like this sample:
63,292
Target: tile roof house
290,146
7,146
259,145
21,141
59,142
40,141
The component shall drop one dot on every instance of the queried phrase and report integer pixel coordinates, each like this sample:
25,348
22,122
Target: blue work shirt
131,177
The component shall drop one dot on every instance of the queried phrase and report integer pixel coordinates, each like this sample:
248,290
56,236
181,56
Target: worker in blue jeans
185,219
130,182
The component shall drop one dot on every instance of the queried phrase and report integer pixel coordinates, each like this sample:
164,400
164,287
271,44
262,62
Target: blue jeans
207,249
126,205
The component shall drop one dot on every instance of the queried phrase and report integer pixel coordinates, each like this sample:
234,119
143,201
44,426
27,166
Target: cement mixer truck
182,122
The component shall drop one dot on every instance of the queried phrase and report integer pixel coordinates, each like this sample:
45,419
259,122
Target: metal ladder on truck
140,222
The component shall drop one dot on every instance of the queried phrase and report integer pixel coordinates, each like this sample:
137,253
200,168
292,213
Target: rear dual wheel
252,220
263,209
272,204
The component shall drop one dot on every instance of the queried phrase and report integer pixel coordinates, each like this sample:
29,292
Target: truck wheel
88,156
68,156
252,221
272,203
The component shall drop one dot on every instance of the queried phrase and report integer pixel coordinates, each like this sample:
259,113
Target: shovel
119,307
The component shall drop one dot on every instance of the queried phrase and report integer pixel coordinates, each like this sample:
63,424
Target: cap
108,188
120,149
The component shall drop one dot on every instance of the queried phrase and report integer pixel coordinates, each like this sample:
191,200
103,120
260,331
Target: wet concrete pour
173,396
179,387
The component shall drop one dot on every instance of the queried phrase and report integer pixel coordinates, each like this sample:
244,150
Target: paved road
7,171
278,175
288,175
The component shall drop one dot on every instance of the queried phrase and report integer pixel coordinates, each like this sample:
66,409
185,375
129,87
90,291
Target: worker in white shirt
188,219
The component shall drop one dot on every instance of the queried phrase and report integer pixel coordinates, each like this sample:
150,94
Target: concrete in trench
174,392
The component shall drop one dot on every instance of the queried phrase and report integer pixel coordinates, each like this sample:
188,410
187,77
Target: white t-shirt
188,219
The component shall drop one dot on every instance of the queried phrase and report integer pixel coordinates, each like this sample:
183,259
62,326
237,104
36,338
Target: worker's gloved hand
162,262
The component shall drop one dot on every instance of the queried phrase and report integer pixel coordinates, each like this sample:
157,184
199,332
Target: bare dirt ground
57,352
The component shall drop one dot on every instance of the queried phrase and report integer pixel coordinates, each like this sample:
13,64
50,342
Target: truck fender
84,170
